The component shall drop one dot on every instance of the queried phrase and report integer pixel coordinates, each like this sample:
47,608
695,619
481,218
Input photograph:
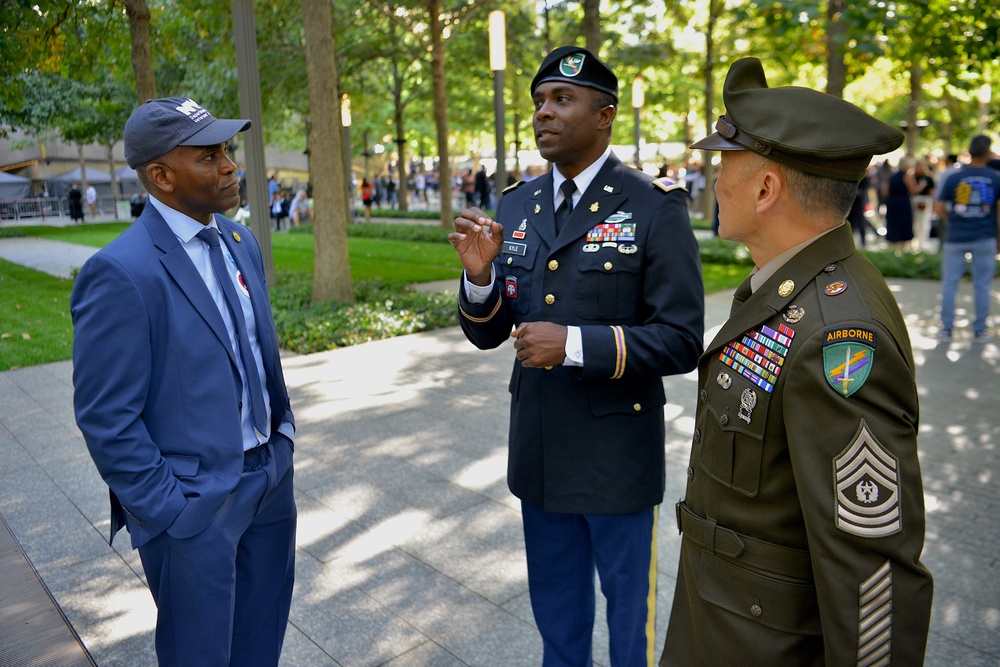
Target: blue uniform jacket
626,270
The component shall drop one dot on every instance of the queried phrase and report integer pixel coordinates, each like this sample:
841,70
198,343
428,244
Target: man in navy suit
594,269
180,396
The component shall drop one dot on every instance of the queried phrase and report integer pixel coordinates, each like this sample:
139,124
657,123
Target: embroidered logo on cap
572,65
866,477
193,110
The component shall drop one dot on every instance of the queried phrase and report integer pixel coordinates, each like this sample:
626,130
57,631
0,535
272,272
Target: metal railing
43,208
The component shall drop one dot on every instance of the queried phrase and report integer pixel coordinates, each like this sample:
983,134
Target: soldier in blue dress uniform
594,270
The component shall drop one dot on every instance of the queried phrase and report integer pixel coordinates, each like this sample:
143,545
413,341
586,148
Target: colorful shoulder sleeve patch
848,355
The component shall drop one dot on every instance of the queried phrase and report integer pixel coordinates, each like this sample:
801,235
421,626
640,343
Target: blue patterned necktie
257,410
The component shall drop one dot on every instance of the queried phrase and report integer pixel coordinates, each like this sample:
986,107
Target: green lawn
35,325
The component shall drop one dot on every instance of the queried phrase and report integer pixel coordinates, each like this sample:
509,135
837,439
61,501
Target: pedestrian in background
594,270
75,199
92,201
803,517
897,192
179,393
968,200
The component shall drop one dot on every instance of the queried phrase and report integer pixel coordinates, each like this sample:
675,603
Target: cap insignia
572,65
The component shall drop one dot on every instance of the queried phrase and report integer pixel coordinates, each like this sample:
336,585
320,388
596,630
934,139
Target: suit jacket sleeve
666,336
111,383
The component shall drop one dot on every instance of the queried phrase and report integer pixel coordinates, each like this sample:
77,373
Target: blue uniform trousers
563,551
223,596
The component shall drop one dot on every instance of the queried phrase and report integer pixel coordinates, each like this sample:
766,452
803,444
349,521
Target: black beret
811,131
574,64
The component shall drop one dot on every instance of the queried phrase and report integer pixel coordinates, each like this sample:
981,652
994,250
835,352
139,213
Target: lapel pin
794,314
594,207
724,380
786,288
608,188
537,208
236,235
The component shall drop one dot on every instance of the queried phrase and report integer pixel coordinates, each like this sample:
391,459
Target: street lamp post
638,99
985,94
345,122
498,63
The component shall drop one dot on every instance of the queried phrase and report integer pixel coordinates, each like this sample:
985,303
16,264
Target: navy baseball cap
574,64
159,126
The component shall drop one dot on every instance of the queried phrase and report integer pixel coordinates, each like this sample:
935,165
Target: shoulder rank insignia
848,355
512,187
668,185
866,480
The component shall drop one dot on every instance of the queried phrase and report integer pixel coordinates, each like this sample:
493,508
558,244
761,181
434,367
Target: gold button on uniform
637,407
550,299
607,266
553,265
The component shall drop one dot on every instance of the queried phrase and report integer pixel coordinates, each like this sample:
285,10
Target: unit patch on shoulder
866,481
848,355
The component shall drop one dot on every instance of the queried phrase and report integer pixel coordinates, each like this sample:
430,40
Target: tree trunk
332,269
142,57
707,168
441,115
114,181
912,129
403,191
836,29
83,174
591,27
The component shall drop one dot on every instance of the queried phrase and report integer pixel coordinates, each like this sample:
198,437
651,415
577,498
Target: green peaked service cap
811,131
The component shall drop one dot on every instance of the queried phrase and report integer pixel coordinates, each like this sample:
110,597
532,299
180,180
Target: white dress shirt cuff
478,293
574,347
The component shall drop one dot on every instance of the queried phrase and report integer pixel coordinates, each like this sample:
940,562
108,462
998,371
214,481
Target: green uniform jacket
804,517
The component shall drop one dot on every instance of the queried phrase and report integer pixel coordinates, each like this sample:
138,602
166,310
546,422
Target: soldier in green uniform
803,520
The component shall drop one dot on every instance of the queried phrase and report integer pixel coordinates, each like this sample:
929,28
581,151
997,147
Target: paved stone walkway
409,546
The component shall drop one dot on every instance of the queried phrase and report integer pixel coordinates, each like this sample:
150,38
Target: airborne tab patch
848,355
866,479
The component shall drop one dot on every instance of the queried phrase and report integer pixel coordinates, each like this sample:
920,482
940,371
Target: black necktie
568,187
257,410
742,293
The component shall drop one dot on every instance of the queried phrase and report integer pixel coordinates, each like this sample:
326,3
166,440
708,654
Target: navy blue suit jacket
156,386
590,439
